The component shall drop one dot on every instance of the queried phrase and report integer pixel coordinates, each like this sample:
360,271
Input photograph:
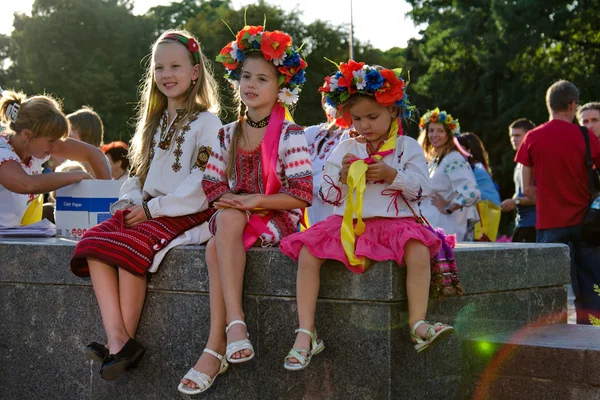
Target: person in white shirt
379,176
162,204
322,139
34,128
454,188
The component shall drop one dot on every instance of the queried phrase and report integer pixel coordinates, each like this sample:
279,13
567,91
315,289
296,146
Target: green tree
86,52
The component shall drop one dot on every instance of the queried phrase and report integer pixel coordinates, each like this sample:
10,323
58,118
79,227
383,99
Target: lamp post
351,50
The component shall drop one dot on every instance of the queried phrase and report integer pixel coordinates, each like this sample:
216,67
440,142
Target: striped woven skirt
131,248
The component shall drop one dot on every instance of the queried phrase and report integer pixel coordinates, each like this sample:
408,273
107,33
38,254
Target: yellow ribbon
357,184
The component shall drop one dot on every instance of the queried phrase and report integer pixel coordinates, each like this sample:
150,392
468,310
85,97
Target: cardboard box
83,205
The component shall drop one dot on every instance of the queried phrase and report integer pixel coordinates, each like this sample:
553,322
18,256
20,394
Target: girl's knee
307,260
415,247
231,218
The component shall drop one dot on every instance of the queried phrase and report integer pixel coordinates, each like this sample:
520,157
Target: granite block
353,364
271,273
41,331
565,354
509,388
492,267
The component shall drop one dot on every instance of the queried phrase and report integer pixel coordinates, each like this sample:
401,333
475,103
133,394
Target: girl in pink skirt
374,181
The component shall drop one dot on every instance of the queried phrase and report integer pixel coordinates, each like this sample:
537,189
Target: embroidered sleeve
331,190
412,176
296,165
215,183
189,197
464,188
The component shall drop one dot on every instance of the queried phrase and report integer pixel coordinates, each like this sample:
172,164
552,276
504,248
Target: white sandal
239,345
431,336
200,378
316,346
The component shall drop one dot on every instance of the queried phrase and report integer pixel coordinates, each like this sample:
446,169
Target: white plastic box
83,205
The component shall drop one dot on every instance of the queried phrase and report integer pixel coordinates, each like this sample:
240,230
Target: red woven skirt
133,248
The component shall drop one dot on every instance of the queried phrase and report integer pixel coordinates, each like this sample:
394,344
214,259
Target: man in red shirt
556,151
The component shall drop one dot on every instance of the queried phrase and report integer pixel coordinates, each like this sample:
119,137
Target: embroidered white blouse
173,186
13,205
380,199
454,180
320,147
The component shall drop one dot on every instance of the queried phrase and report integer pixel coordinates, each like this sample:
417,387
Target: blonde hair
242,108
200,97
88,124
42,115
428,148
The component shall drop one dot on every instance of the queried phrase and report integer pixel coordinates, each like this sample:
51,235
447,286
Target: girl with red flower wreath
260,179
162,204
386,172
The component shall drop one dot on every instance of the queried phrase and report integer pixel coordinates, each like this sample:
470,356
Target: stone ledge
484,268
555,358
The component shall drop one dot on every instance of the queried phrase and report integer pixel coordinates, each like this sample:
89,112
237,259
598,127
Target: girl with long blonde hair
162,204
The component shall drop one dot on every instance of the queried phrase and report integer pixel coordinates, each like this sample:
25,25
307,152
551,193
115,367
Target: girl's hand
248,202
135,216
346,162
380,171
439,202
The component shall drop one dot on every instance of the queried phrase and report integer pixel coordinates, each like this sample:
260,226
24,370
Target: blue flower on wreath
255,44
240,55
292,60
329,101
373,80
442,117
231,74
298,78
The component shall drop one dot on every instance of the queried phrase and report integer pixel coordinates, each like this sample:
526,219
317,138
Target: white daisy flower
234,49
287,96
279,61
333,84
360,78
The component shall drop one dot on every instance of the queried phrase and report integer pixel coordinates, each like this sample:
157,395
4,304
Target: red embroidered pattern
181,139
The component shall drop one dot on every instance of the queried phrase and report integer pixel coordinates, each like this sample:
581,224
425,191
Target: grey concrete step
48,316
539,362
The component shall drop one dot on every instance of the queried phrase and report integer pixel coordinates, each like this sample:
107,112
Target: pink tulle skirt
383,239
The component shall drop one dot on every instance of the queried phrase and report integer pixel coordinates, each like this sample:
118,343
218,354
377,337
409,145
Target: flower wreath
276,47
189,42
384,85
440,117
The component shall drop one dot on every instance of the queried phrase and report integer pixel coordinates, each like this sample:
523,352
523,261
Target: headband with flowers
384,85
276,47
189,42
440,117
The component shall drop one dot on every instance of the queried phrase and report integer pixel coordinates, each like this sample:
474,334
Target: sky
384,27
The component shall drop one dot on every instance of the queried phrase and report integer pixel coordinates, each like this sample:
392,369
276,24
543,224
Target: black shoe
97,352
115,364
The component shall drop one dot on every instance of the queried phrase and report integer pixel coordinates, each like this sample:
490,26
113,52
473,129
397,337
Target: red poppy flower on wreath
274,44
226,59
192,45
392,89
348,68
250,30
346,82
326,88
345,121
